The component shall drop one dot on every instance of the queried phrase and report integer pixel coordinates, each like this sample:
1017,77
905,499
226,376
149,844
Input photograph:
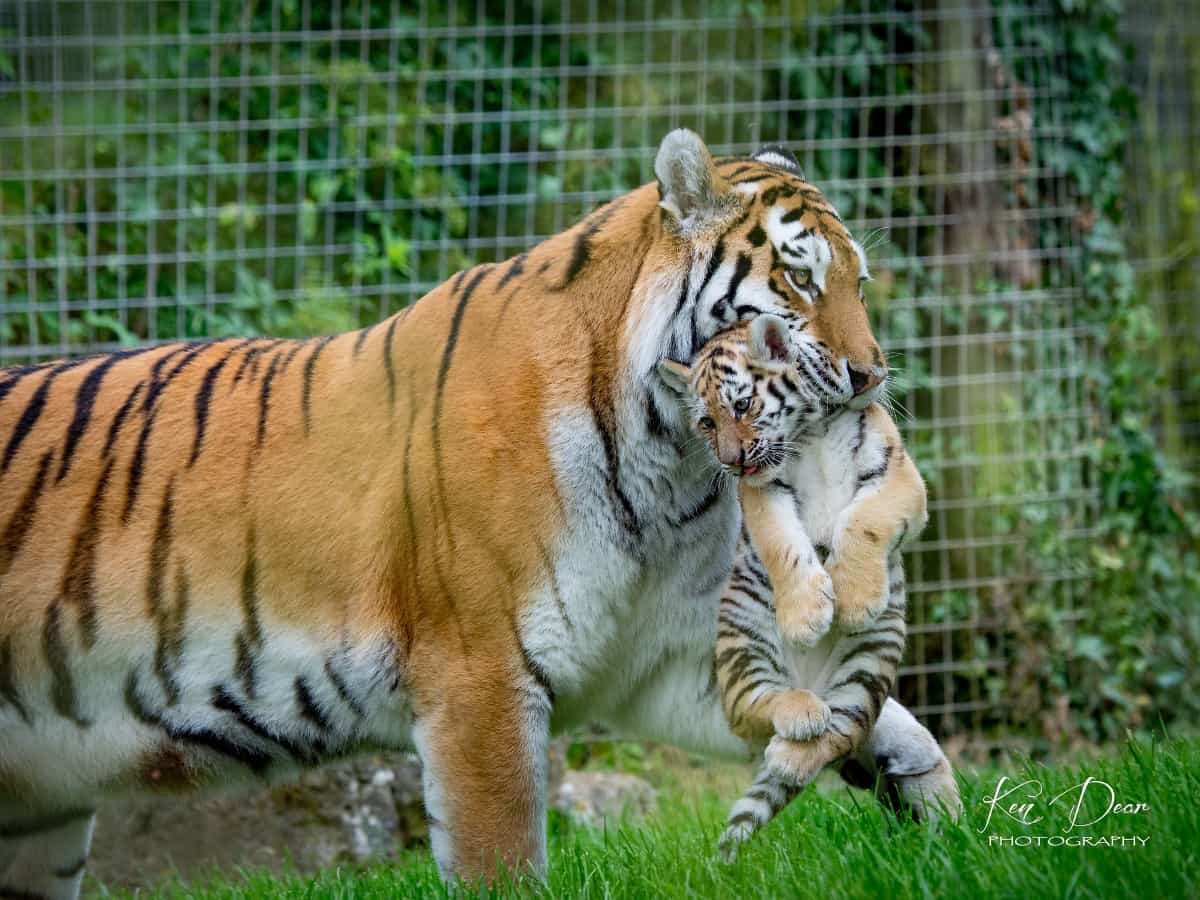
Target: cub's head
747,396
759,238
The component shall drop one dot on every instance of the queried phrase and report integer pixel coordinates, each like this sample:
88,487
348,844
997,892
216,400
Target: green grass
840,844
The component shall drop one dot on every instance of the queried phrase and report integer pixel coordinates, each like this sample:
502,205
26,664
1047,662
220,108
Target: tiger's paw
804,607
799,715
861,590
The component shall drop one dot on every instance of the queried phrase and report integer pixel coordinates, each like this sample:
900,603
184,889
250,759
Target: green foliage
839,845
1119,654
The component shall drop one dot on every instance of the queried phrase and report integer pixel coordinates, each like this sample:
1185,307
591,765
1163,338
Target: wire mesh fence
202,168
1165,210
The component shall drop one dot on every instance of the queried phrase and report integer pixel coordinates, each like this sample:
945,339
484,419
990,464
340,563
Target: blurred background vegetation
1025,182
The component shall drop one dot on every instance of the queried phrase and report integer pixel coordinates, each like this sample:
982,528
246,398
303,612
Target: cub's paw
804,607
732,838
861,589
798,762
799,715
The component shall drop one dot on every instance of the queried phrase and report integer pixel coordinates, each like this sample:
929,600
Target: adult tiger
458,529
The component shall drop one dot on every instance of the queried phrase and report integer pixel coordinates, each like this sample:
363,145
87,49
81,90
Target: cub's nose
862,381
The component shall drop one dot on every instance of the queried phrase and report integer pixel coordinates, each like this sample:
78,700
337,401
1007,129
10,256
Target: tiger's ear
780,157
675,375
770,341
691,188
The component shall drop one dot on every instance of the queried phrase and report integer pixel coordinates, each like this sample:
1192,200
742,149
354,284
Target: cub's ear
780,157
770,341
675,375
692,189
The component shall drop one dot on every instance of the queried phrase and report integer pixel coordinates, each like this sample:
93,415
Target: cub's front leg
804,592
887,512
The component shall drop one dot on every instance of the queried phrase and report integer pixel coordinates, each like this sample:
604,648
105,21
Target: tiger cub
829,499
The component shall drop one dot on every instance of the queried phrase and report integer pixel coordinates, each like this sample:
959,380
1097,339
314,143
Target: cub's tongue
749,470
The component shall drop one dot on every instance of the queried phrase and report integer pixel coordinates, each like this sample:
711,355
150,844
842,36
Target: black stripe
532,666
169,631
308,705
8,684
741,270
552,576
249,639
70,871
872,647
33,412
10,829
714,263
388,364
62,682
169,648
707,502
85,400
515,268
203,401
362,338
601,408
114,429
581,252
264,397
160,550
343,690
78,583
137,464
297,346
17,374
226,702
879,471
256,760
439,399
23,516
747,817
158,383
250,355
756,236
310,367
654,420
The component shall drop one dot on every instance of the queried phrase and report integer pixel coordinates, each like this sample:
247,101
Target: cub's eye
707,423
740,406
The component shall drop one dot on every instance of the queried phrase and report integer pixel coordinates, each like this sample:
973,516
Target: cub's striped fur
829,499
455,530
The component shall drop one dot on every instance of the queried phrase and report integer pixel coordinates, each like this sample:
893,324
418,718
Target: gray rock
359,811
589,798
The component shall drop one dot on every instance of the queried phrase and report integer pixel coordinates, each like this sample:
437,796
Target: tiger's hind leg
905,765
756,687
763,802
44,856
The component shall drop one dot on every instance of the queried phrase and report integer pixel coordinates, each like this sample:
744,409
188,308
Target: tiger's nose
862,381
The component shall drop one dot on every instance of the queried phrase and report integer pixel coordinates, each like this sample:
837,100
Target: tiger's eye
740,406
707,423
802,276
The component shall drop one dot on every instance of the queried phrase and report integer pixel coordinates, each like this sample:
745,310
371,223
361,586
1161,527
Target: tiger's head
759,239
748,398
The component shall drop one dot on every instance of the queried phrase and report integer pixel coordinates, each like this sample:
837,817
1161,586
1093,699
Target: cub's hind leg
756,688
44,856
482,728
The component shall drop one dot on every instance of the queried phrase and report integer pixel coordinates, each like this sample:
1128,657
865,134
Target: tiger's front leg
482,728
